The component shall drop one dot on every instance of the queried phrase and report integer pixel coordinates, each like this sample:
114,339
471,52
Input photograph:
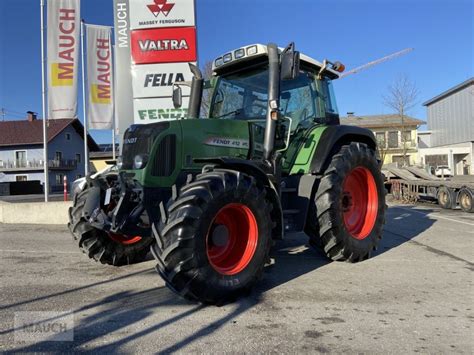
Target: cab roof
254,52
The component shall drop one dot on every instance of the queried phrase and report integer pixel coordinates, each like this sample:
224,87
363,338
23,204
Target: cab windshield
243,96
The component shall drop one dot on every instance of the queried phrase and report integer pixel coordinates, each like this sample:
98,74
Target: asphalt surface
414,295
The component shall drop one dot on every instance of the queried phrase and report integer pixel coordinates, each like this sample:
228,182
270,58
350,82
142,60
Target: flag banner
122,75
100,108
63,22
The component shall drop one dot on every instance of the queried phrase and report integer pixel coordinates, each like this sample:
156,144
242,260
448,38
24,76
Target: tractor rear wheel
348,213
105,247
214,236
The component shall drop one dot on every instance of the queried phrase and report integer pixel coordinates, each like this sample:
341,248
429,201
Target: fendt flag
100,112
63,57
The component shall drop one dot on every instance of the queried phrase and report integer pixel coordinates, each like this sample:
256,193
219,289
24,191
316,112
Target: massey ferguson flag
162,38
100,111
63,22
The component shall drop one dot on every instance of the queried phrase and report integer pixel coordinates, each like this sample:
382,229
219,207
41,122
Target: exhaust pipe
196,92
273,97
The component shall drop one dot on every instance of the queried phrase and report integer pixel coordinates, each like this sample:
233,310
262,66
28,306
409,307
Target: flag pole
114,103
84,113
43,102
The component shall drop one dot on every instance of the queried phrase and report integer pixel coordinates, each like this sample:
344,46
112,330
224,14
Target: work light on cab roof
254,51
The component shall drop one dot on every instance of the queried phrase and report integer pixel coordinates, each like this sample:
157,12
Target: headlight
119,163
140,161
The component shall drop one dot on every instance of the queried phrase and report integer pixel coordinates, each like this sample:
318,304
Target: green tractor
210,196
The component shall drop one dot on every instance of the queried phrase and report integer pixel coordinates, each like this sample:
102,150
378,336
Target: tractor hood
138,140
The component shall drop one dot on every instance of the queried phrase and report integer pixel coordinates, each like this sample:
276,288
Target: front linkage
109,221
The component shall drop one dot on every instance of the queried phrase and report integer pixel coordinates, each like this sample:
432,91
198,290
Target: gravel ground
414,295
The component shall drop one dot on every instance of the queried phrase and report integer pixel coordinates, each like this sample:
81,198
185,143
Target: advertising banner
123,78
100,108
161,13
158,109
156,80
63,31
164,45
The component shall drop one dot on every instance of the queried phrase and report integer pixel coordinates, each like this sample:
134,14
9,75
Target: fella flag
100,112
63,57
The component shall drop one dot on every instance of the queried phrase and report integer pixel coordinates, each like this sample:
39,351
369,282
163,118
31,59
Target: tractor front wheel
348,213
105,247
214,237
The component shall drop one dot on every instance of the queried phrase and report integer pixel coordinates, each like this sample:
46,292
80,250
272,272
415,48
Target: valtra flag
100,109
63,22
164,45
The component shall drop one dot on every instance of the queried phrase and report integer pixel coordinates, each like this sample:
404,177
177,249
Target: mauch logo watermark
44,326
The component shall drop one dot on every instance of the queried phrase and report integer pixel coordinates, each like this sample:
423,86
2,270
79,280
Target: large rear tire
348,213
107,248
214,237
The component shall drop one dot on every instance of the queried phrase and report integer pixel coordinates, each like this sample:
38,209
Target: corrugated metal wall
451,119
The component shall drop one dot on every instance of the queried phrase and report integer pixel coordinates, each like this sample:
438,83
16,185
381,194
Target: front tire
348,213
106,248
214,237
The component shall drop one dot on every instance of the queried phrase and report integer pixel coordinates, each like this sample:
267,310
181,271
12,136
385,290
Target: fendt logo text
160,6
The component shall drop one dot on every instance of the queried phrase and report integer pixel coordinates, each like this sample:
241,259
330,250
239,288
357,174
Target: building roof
24,132
450,91
380,121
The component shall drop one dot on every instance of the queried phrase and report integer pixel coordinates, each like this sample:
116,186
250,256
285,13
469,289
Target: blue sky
351,31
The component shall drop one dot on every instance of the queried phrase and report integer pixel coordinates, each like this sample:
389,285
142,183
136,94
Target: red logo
160,6
164,45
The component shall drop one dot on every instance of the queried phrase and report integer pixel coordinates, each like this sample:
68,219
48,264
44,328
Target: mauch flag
63,57
100,111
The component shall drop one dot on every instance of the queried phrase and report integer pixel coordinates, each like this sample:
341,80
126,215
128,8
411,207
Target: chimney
31,116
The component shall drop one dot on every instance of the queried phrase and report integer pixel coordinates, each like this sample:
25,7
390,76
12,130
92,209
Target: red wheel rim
232,239
360,202
124,239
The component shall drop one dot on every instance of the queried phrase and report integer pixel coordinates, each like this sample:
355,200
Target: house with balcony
21,150
396,136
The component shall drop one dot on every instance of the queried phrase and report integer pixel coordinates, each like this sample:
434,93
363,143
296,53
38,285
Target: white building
450,136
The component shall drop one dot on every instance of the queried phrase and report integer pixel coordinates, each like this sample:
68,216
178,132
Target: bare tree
207,93
382,147
402,96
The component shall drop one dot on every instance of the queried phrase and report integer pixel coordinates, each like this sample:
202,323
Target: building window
78,158
59,179
58,156
393,139
407,136
20,158
381,139
22,178
68,136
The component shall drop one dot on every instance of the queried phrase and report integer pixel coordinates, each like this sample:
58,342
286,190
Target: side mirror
290,63
177,96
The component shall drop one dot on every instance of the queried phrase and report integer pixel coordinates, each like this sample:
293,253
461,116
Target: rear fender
332,139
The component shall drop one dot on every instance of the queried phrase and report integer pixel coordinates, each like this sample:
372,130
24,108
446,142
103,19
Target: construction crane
375,62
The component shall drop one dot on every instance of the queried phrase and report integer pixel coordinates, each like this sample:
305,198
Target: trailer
412,184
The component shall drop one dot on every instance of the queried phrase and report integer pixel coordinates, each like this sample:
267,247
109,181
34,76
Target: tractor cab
241,88
241,92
